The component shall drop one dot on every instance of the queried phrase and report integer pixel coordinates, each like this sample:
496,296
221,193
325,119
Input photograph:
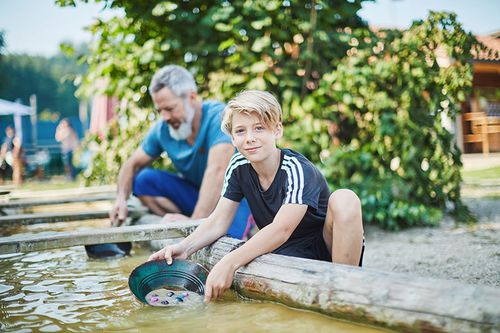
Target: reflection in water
63,290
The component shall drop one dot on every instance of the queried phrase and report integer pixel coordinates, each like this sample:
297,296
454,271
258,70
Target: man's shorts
312,246
184,195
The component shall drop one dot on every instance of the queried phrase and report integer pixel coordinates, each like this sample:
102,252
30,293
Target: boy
288,197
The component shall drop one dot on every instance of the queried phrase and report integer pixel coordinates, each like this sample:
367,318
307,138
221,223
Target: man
189,132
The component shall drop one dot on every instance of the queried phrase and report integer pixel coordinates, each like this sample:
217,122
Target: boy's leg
343,230
163,192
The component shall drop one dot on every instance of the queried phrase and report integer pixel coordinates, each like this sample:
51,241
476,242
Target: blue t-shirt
190,161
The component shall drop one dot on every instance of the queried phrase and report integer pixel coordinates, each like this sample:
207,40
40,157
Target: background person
66,135
189,132
11,155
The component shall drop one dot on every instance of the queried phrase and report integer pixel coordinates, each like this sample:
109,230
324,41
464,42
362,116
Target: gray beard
182,133
185,129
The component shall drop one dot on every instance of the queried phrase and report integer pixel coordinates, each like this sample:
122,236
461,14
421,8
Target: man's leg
159,205
343,230
242,222
163,192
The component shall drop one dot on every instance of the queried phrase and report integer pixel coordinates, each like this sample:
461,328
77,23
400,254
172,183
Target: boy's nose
250,137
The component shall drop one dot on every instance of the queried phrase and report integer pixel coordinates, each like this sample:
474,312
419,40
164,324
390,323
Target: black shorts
311,247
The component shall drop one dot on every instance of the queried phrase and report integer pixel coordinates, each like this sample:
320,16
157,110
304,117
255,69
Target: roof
492,42
7,108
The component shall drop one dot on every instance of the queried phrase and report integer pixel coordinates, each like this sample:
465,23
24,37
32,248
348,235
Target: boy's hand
219,279
169,253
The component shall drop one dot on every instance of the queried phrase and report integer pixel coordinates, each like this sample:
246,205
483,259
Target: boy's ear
278,131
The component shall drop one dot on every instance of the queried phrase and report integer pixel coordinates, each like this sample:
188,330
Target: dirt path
470,253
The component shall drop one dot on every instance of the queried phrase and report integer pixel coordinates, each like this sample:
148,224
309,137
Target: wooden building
480,120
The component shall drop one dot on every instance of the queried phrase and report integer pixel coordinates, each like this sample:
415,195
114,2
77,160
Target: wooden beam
62,193
20,203
36,218
28,243
400,302
28,219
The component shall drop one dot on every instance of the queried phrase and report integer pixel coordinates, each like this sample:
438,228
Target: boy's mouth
252,149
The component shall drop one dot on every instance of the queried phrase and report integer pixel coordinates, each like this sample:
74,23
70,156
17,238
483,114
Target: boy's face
252,138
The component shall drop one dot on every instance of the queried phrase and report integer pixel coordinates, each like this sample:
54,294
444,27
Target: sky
37,27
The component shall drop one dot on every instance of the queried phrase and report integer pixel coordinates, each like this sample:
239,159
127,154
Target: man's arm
211,185
264,241
137,161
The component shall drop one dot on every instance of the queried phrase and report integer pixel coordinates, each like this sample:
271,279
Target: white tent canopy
11,108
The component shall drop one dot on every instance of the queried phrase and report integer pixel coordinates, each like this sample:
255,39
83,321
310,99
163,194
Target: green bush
388,103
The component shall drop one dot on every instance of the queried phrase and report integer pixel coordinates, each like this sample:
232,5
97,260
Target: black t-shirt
297,181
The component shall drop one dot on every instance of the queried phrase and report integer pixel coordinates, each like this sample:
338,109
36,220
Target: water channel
63,290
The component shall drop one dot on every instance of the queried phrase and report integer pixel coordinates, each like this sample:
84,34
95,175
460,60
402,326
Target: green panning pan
158,284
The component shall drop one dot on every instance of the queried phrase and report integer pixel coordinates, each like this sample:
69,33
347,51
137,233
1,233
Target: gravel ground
469,253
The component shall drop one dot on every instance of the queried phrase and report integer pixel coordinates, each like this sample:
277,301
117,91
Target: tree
281,46
365,107
51,79
387,103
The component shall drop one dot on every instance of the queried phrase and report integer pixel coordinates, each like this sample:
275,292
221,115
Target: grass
490,173
54,183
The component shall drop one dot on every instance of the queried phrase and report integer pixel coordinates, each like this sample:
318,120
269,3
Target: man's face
176,111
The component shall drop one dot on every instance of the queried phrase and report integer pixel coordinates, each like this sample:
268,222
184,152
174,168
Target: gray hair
176,78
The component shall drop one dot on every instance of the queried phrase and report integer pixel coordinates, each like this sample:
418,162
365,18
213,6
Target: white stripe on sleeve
235,162
295,173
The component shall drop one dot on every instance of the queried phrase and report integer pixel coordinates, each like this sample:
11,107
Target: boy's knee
344,201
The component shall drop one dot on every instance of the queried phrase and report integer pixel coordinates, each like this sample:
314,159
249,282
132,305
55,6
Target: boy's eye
259,128
239,131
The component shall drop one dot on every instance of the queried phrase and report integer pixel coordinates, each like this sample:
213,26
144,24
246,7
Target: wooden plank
23,203
6,189
62,193
396,301
36,218
54,240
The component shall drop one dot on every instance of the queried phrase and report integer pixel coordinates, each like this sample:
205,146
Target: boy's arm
211,228
264,241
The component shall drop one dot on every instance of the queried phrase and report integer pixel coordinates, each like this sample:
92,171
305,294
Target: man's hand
118,213
169,253
171,217
219,279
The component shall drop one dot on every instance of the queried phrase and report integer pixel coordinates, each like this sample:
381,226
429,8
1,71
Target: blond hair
261,102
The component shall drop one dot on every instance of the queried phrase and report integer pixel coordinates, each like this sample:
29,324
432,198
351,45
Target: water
64,291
